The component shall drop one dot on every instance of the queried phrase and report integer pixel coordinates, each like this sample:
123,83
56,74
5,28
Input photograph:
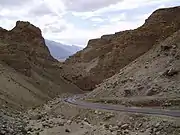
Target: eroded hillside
104,57
29,74
151,80
146,64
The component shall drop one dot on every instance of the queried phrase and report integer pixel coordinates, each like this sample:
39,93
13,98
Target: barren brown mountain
144,70
29,74
153,79
104,57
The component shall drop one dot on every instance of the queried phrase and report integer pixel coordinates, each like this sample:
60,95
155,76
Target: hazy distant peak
61,51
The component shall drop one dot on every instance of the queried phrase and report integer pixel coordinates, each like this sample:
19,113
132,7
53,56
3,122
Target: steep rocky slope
104,57
29,75
151,80
24,46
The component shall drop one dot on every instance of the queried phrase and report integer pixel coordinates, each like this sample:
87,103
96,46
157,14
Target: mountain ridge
61,51
29,75
144,69
108,54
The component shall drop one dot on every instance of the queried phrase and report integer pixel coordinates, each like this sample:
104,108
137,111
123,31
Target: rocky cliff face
24,48
153,79
104,57
29,75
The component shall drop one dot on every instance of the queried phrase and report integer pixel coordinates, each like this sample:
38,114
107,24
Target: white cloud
77,21
56,6
6,24
12,3
117,18
161,6
86,34
122,5
87,5
97,19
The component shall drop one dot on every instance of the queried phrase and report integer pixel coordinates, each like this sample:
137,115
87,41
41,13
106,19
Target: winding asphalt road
74,101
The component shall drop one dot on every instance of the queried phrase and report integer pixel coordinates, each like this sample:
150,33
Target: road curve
84,104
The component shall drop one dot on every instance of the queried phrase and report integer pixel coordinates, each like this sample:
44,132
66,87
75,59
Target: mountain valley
129,70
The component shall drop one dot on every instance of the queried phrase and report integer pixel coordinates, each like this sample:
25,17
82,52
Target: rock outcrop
24,47
29,75
104,57
152,80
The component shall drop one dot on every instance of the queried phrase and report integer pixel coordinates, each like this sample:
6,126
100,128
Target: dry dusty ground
59,118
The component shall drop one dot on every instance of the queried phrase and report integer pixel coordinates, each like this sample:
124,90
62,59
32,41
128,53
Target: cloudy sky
77,21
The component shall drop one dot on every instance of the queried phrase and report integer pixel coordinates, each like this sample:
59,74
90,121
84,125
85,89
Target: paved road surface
74,101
